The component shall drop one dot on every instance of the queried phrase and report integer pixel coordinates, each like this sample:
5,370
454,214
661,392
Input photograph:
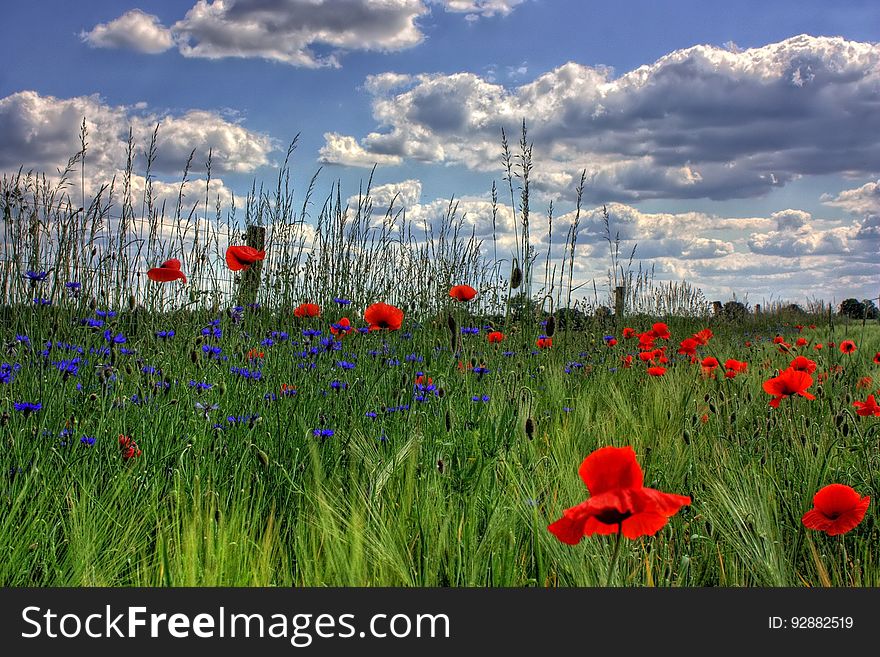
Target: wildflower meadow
324,397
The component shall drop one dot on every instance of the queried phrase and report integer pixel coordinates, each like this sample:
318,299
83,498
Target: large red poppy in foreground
242,257
384,316
167,271
790,382
618,502
837,509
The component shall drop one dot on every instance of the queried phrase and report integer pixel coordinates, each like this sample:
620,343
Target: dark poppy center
834,515
383,324
612,516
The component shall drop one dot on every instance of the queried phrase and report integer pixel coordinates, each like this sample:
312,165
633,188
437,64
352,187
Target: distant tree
735,310
858,309
794,309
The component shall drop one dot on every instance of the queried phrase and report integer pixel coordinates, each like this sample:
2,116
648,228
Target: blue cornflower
68,367
338,385
92,323
414,358
478,398
480,370
115,339
566,409
608,338
88,441
109,314
345,365
23,339
267,342
42,302
508,353
370,414
36,276
392,362
199,385
73,287
165,335
310,333
280,335
363,329
27,407
470,330
322,433
341,301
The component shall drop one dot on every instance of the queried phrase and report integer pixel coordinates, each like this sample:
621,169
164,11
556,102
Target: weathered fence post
757,309
619,302
717,308
250,279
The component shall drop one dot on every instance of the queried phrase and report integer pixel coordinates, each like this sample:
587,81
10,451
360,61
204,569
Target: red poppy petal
174,263
568,530
609,468
835,499
812,519
233,262
595,526
643,524
667,504
162,275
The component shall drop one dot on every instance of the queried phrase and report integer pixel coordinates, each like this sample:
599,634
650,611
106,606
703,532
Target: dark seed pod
712,408
448,419
404,380
515,275
93,303
707,397
530,428
128,369
845,430
733,418
93,397
221,388
194,356
668,414
473,362
550,329
440,466
687,437
4,419
172,402
132,302
441,392
838,420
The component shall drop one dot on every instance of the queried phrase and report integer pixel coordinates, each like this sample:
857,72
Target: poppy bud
448,421
93,397
515,275
733,418
530,428
450,322
687,437
440,466
172,402
194,356
707,397
128,369
473,362
221,388
132,302
550,329
262,457
4,419
712,408
441,392
845,430
93,303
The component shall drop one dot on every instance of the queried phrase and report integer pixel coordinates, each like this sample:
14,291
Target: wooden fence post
250,279
619,302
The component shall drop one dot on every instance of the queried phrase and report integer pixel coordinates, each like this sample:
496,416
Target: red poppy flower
703,336
709,363
660,330
817,346
646,341
812,326
544,342
803,364
656,371
629,333
784,347
800,342
737,366
495,337
646,356
748,343
868,407
167,271
618,503
831,345
342,327
384,316
688,347
877,358
128,447
778,339
627,360
462,292
847,346
242,257
307,310
790,382
611,342
837,509
799,327
864,382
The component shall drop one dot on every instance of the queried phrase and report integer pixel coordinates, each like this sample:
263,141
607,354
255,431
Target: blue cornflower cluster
27,407
322,433
8,372
470,330
344,364
68,367
200,385
115,339
165,335
480,370
245,373
36,276
414,358
109,314
214,352
478,398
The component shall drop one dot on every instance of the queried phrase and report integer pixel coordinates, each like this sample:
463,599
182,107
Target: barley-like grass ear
530,428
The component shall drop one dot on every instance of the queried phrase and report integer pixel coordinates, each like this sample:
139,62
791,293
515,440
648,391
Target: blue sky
748,165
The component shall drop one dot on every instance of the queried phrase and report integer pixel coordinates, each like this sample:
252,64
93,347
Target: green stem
614,556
